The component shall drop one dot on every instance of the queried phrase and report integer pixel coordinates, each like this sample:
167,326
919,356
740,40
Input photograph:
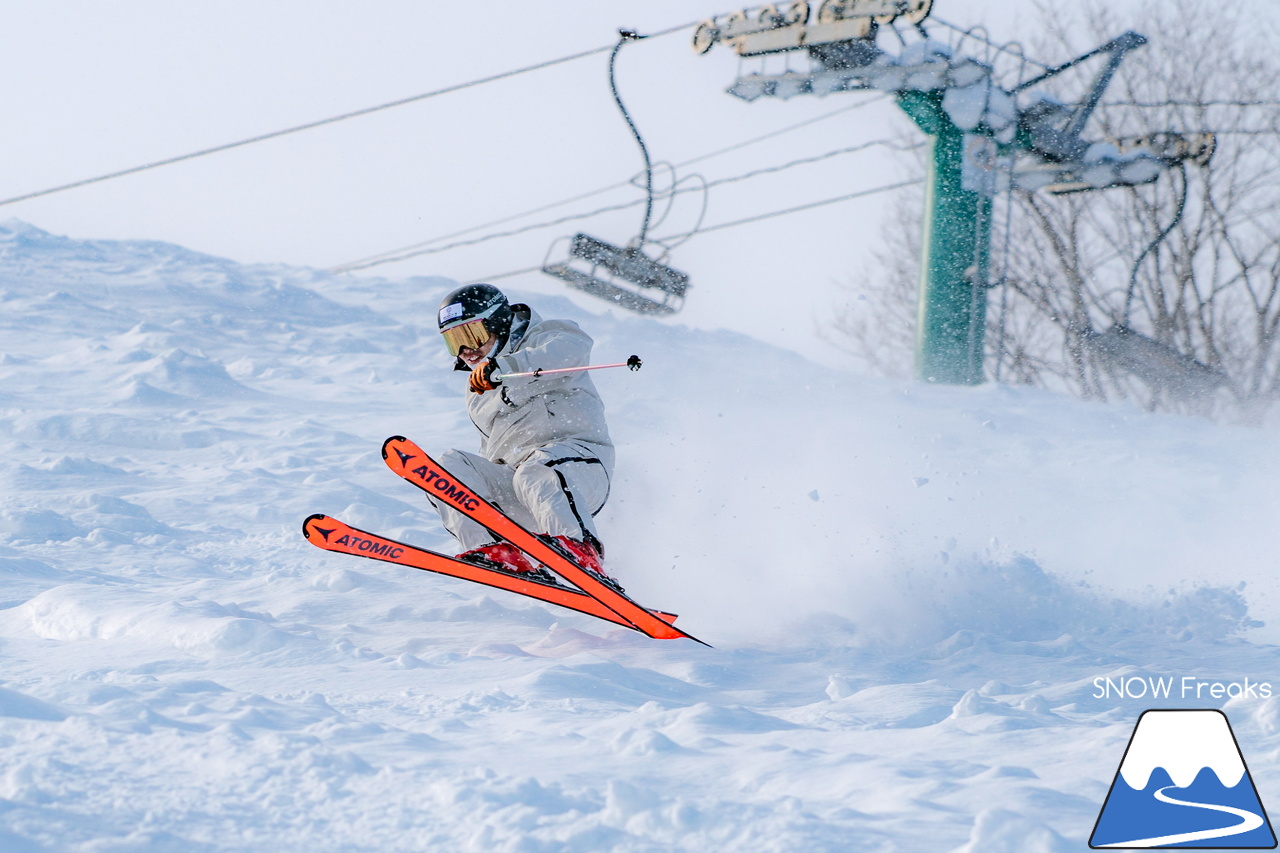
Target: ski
331,534
413,464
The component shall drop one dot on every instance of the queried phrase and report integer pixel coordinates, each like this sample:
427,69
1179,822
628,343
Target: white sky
97,87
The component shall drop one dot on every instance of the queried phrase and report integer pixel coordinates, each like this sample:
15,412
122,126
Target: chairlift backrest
630,265
627,274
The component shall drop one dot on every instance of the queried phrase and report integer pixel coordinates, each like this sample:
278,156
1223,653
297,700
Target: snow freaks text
1170,687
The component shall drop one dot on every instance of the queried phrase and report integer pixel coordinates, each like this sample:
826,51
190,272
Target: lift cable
757,218
1216,103
484,238
1014,49
373,260
323,122
788,129
799,208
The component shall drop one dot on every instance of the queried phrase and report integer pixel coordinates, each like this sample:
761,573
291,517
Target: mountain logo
1183,783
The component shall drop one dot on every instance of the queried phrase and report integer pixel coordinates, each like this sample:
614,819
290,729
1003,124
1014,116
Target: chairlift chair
629,276
1159,365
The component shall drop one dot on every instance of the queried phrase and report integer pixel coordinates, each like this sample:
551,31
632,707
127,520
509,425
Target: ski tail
330,534
413,464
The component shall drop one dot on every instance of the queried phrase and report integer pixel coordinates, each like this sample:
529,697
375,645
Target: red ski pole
633,362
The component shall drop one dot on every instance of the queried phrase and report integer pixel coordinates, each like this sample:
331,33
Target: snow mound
76,613
21,706
1002,831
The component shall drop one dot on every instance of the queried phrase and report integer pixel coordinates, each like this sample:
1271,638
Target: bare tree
1166,293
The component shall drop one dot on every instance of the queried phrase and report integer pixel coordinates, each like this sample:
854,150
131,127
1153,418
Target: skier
545,458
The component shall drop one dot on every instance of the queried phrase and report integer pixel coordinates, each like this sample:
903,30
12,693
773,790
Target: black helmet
467,305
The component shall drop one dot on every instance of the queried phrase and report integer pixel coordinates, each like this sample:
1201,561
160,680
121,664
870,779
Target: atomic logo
1183,783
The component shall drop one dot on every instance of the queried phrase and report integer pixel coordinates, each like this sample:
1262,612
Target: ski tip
385,444
306,524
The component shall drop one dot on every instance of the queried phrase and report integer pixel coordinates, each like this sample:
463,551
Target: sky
106,87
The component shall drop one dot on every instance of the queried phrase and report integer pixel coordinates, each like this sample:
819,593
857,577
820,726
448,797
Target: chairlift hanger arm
625,36
1154,244
1121,44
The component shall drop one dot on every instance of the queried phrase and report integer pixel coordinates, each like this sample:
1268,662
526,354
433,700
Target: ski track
898,666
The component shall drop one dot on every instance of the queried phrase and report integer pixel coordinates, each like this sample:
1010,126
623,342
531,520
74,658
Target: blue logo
1183,783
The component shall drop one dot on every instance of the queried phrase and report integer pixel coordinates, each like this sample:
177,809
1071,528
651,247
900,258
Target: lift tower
983,140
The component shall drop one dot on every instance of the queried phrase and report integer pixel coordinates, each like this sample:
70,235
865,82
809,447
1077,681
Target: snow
912,591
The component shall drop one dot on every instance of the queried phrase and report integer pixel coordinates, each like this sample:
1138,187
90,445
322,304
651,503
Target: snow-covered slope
910,590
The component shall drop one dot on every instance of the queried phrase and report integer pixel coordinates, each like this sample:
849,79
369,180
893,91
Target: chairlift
625,276
628,274
1159,365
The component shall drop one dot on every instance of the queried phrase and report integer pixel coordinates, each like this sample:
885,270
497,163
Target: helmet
470,316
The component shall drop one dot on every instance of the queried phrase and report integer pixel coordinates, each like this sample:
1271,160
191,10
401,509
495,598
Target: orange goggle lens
471,335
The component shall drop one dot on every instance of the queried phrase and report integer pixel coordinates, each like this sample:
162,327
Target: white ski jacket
528,412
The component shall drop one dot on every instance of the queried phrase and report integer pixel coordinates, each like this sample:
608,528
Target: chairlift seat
629,273
1157,364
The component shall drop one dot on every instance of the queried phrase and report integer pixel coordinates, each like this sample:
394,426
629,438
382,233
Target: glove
482,377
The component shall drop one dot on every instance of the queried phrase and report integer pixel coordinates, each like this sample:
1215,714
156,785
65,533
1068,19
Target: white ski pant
557,490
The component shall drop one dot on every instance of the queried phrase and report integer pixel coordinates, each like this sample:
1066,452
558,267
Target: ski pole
633,362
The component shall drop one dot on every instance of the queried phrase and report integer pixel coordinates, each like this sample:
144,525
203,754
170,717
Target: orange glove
482,377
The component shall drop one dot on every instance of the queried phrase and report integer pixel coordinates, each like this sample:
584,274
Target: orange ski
333,535
413,464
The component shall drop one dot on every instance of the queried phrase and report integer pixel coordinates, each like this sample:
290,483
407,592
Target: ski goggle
473,335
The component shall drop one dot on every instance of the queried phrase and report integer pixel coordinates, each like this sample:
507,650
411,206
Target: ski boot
505,557
587,554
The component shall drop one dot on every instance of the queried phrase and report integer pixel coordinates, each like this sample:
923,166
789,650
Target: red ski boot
502,556
587,554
